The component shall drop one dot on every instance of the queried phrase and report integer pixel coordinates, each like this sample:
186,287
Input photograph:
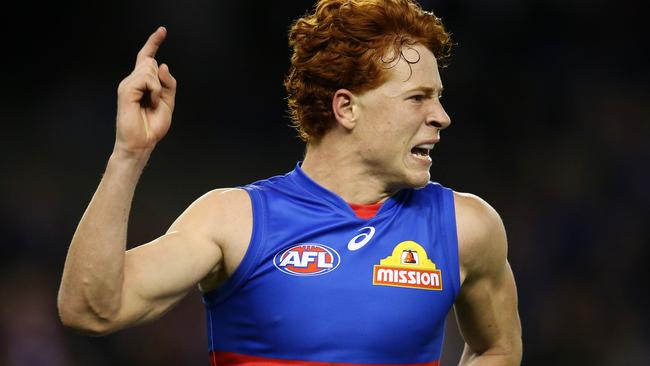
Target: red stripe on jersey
365,211
236,359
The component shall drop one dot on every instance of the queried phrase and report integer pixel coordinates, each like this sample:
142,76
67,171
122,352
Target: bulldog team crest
408,266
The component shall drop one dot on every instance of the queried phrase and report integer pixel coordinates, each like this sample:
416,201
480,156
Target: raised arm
486,308
104,288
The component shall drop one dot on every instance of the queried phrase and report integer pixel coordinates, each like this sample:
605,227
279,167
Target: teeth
420,153
425,146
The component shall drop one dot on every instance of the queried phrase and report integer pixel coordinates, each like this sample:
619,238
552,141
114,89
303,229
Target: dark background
550,103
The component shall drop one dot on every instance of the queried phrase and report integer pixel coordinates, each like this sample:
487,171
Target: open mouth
422,152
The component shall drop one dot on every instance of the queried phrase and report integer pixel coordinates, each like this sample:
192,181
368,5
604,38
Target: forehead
416,67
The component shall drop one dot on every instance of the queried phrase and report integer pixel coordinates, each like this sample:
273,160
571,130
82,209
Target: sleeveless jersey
320,286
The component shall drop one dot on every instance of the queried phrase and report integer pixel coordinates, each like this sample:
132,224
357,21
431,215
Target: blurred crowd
551,124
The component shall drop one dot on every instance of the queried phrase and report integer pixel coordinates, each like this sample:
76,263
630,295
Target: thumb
153,89
168,83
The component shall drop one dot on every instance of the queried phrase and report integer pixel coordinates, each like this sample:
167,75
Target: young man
352,258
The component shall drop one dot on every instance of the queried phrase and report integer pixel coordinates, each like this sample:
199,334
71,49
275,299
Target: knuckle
122,85
154,80
151,71
145,71
151,62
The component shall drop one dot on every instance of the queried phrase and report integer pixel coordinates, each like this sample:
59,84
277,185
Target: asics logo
362,239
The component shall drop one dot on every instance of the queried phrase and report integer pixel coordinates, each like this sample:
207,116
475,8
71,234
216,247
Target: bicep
157,275
486,310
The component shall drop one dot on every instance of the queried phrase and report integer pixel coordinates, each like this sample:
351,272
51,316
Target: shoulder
219,202
225,218
215,212
225,199
482,243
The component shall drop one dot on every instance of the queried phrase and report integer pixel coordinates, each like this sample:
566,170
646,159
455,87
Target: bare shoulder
213,211
482,243
234,217
226,217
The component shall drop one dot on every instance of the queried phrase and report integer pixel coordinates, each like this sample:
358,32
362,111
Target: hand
145,101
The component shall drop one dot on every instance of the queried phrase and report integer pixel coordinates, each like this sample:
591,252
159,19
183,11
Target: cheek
385,124
384,133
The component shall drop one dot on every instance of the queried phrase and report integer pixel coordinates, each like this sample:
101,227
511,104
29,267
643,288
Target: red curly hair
343,44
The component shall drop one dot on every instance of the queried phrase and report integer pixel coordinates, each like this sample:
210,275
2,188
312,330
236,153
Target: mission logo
308,259
408,266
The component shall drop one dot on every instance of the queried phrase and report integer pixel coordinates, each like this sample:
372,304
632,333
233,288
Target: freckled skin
396,116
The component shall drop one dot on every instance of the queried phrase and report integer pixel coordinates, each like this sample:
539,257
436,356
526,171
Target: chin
407,176
421,182
415,174
416,180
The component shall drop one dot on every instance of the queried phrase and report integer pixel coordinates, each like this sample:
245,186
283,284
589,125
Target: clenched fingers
168,83
143,80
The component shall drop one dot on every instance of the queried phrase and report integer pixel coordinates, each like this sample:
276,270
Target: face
399,122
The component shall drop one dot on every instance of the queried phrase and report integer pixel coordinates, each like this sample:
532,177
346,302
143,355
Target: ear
345,108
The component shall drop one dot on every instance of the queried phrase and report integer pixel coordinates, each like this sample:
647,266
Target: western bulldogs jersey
321,286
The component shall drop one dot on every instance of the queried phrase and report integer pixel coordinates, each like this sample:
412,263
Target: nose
437,116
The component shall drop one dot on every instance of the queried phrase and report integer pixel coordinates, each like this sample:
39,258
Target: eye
418,97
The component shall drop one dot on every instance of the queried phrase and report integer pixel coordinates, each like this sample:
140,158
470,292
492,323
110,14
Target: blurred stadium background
550,103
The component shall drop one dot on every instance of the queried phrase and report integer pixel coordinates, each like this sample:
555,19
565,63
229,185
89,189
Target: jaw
419,179
401,174
416,171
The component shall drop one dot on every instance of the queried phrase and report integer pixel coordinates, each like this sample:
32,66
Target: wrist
139,156
133,159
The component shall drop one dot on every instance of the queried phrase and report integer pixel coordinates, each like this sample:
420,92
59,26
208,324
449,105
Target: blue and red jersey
320,285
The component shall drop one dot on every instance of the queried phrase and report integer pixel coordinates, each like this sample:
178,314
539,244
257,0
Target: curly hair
343,44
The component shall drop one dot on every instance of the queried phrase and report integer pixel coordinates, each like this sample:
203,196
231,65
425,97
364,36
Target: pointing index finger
151,46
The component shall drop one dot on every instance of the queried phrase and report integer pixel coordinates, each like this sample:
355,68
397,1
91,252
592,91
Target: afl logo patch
308,259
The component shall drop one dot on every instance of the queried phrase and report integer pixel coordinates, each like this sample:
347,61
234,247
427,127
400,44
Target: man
352,258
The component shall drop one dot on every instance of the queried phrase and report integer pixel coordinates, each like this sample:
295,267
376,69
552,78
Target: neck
341,171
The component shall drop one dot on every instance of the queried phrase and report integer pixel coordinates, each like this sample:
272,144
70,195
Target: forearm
91,285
